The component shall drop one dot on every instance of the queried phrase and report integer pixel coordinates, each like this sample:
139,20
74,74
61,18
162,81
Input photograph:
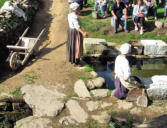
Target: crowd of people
121,8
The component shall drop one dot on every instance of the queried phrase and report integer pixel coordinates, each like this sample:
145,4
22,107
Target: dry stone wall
12,26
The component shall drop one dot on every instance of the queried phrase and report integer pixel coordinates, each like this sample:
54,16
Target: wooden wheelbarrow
24,48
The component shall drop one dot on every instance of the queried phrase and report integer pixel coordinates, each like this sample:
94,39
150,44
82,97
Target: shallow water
139,67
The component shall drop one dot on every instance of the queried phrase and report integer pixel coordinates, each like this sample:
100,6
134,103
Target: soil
49,67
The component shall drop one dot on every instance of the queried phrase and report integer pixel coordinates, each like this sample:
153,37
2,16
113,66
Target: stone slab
76,111
94,45
81,90
154,47
43,101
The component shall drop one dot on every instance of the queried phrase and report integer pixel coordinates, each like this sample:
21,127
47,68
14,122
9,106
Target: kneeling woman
75,36
122,72
139,13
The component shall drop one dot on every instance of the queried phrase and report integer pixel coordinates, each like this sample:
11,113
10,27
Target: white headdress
125,48
74,6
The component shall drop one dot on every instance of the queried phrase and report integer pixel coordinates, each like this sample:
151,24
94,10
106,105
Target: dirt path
50,67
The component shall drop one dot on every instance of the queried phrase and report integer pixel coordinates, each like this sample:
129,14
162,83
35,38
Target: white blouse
122,67
73,20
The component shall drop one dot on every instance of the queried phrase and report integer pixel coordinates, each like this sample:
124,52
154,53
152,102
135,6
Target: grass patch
88,68
109,93
66,99
112,125
16,92
114,113
30,77
97,28
85,78
2,2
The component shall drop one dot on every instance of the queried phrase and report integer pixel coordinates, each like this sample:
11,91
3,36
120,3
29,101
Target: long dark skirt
120,92
74,45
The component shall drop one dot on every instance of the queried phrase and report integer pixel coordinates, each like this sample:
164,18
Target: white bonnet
74,6
125,48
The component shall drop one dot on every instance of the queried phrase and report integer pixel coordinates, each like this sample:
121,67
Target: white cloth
9,6
125,48
74,6
122,67
73,20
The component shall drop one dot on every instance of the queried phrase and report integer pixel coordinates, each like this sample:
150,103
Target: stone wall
11,26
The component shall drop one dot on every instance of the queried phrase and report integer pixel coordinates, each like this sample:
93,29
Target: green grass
85,78
16,92
97,28
30,77
67,98
109,93
2,2
88,68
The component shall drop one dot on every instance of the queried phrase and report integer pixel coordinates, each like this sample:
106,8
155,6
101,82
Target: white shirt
122,67
73,20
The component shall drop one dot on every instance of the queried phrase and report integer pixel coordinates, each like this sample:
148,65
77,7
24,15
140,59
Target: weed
2,2
91,94
31,77
109,93
85,78
114,113
16,92
112,125
88,68
69,97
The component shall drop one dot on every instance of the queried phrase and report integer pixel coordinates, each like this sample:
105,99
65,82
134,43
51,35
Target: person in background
165,9
122,72
102,4
139,13
85,2
151,8
128,3
75,36
117,15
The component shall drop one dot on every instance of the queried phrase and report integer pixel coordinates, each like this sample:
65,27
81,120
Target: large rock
77,113
34,122
124,105
43,101
100,92
157,88
81,90
95,46
159,24
95,83
102,118
154,47
94,74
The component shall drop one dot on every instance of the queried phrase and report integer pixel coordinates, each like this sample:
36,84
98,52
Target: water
139,67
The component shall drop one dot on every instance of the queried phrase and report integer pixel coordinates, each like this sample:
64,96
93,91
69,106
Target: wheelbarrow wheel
14,62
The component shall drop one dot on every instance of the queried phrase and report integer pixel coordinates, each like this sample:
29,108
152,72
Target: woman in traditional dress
75,36
122,72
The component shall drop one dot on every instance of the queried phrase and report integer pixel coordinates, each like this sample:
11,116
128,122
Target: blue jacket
136,10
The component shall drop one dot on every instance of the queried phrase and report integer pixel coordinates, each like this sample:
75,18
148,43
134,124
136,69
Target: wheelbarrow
24,48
